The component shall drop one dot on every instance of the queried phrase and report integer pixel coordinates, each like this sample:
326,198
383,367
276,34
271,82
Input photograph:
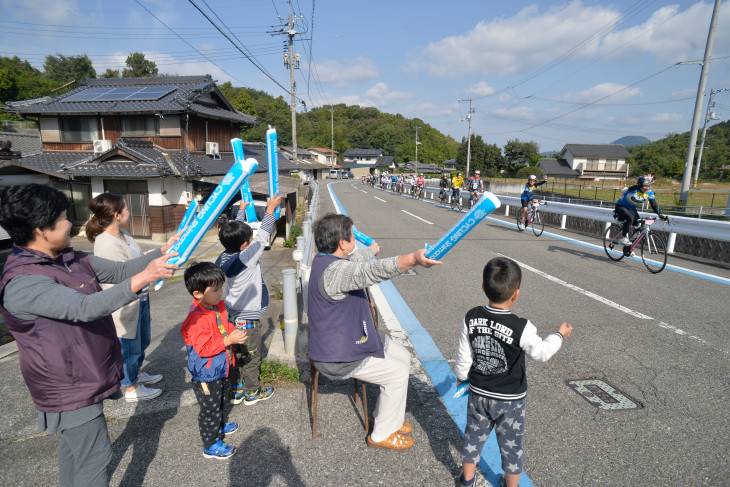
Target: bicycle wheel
614,250
654,252
518,221
538,224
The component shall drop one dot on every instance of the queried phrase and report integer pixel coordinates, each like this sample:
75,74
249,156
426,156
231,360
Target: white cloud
671,35
480,89
517,113
515,44
615,93
532,38
338,73
644,118
59,12
426,110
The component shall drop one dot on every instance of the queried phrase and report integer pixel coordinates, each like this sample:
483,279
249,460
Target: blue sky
552,72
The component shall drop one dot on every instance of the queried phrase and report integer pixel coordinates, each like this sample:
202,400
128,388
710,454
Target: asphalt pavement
157,442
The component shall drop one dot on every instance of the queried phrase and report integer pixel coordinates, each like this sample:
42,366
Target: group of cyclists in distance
626,209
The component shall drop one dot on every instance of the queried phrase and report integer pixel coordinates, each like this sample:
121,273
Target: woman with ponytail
132,322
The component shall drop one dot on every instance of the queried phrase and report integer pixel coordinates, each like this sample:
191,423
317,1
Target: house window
611,164
138,127
79,129
592,164
79,194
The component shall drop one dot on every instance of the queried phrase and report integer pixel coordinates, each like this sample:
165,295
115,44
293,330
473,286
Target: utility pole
291,61
708,116
332,120
684,191
468,136
417,142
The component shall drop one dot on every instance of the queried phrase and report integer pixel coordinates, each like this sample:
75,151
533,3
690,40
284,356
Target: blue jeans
133,348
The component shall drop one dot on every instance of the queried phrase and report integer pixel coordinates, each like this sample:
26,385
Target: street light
709,116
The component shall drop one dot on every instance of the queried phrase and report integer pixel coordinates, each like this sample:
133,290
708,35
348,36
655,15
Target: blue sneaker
229,428
258,395
237,397
219,451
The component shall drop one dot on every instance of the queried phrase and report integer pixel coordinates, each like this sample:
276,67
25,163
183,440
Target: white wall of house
168,191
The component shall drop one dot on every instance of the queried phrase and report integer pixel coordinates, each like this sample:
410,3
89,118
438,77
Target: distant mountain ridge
631,140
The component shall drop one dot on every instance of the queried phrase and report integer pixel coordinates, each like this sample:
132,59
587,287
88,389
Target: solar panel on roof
121,94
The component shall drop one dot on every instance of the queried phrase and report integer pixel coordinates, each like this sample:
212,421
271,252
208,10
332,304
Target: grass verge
276,371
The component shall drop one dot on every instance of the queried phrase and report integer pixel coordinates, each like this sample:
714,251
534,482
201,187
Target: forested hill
353,127
667,156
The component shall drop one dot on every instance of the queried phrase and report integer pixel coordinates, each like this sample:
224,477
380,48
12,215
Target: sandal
393,442
406,429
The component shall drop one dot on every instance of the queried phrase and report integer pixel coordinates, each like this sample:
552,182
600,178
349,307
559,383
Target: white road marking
380,199
418,217
590,294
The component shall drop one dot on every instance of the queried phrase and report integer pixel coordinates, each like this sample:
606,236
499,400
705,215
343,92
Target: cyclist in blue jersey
633,197
528,194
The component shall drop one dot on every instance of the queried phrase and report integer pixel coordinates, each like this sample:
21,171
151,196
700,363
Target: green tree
139,67
21,81
517,152
110,73
62,69
239,98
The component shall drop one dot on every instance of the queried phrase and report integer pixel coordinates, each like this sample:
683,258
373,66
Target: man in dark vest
343,341
53,305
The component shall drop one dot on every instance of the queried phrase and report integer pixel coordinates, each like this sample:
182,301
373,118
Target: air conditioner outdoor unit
211,149
102,145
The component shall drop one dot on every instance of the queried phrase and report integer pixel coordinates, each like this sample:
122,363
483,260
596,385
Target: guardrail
678,225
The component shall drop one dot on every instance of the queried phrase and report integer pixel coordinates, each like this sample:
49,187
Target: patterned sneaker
229,428
145,378
237,397
624,241
219,451
141,393
258,395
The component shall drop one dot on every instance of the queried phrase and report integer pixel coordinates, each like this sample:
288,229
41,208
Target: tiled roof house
595,161
157,141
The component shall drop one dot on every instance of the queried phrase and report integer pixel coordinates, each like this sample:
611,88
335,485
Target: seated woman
53,304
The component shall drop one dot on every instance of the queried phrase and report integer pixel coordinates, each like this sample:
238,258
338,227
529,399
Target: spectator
111,241
69,354
343,341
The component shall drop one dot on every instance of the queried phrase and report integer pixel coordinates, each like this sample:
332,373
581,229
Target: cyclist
393,180
635,196
399,183
444,184
456,183
475,185
420,183
528,195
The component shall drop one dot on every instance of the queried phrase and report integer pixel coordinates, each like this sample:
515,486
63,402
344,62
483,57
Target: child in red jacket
208,338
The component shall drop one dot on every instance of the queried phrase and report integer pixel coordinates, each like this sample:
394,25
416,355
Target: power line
186,42
250,58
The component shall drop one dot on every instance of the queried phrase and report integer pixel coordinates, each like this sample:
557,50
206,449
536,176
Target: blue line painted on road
440,373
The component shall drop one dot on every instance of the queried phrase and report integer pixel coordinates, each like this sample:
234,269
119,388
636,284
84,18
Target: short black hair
25,208
501,278
329,230
201,276
234,234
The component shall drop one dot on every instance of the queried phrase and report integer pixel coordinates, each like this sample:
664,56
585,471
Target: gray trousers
84,453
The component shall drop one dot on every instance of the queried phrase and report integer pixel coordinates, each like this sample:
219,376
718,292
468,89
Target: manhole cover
602,395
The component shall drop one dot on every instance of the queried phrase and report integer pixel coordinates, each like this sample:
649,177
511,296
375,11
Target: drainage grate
602,395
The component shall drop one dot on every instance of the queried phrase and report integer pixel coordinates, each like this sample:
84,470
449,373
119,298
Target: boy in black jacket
492,348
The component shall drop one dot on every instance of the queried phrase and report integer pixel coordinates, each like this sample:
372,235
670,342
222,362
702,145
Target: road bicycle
653,247
419,192
456,202
533,218
443,196
473,198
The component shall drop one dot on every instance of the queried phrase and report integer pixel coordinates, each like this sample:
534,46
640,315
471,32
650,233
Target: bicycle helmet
646,180
532,177
477,172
